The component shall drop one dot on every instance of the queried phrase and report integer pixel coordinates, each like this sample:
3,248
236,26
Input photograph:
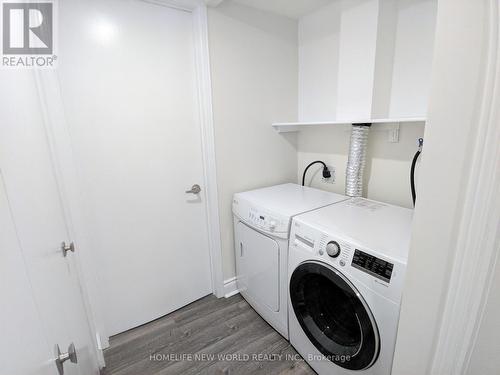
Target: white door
20,323
127,76
35,214
258,261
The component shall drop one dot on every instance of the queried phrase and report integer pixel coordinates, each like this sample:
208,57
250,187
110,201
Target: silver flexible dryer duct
357,160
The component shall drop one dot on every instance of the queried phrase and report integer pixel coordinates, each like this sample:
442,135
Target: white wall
449,134
357,55
388,164
319,37
387,32
416,23
361,59
254,78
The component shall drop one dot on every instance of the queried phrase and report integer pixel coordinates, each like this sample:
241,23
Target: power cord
412,170
326,171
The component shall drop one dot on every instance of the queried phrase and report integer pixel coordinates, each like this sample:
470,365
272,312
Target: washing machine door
334,316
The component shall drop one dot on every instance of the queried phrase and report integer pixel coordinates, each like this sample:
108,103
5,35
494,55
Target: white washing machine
347,266
262,221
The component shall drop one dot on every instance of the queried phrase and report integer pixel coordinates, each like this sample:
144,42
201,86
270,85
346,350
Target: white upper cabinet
366,59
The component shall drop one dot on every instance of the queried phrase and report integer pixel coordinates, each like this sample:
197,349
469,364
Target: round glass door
334,316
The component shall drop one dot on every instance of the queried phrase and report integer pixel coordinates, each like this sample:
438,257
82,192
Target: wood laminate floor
210,336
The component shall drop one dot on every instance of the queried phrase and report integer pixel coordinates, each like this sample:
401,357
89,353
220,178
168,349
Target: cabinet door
259,263
36,211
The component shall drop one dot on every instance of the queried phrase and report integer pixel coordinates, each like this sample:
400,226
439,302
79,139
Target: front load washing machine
347,265
261,229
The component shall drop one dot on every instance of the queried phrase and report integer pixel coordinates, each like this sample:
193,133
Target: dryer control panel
260,218
263,220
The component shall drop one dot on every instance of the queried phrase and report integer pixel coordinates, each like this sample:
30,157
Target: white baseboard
230,288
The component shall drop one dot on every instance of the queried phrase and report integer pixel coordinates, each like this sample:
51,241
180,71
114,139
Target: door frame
441,340
477,233
64,165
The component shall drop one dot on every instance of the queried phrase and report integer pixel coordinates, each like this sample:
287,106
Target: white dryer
347,266
262,221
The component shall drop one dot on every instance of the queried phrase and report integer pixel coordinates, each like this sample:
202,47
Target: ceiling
288,8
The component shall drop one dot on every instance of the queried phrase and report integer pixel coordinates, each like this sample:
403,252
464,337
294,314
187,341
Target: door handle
63,357
195,189
65,248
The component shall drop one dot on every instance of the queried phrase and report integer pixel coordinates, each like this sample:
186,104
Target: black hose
412,177
326,172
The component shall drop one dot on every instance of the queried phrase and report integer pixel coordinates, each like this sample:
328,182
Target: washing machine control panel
331,249
382,274
372,265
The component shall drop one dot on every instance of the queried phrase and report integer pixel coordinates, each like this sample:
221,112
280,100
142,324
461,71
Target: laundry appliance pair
325,271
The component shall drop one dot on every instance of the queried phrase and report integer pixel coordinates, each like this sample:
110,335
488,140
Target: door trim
63,160
208,146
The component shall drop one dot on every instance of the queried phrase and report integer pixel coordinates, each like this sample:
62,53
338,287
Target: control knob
333,249
272,225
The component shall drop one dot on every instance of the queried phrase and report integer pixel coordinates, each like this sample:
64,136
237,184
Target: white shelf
285,127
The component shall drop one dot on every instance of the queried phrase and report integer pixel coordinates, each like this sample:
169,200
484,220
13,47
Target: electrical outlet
393,133
332,179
